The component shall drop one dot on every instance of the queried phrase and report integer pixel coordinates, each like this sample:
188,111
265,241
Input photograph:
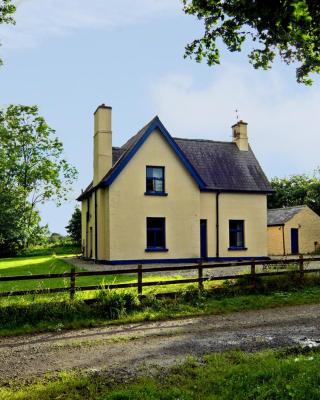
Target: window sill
155,249
155,194
237,248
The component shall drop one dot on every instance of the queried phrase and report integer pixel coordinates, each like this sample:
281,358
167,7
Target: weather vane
237,114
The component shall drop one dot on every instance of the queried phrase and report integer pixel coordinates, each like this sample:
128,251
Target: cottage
164,199
293,230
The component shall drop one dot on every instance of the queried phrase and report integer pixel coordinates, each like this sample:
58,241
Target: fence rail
140,271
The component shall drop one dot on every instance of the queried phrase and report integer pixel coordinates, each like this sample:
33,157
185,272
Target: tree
296,190
290,28
7,9
31,164
74,226
55,238
11,217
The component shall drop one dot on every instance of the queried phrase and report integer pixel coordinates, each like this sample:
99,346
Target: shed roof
279,216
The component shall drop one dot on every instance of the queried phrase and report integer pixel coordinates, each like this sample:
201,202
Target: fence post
200,275
253,273
72,282
139,279
301,266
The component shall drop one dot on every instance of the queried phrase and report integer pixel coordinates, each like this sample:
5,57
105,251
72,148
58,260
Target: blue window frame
155,181
236,235
156,234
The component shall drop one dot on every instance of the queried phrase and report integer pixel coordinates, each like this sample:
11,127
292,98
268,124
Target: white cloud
37,20
283,121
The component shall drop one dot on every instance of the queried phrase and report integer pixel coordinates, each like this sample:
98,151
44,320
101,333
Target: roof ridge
139,131
203,140
285,208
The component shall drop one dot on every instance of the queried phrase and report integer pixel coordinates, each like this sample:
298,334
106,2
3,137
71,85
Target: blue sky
69,56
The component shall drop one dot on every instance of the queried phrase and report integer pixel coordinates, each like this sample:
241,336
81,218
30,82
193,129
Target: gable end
156,124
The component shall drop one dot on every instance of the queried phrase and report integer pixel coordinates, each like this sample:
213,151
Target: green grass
53,263
36,313
37,316
232,375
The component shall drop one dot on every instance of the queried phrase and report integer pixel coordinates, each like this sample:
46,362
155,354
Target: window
156,238
236,234
155,181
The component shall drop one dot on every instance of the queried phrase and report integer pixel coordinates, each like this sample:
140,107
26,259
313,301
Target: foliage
114,305
32,171
11,215
74,226
289,28
7,9
34,155
296,190
63,248
55,238
270,374
111,305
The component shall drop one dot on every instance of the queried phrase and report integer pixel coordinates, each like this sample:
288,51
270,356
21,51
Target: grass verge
118,307
266,375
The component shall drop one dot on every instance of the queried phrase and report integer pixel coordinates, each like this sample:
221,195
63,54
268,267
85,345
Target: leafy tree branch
7,9
289,28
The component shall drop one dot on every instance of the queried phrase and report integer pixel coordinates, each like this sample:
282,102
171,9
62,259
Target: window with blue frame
156,237
155,180
236,234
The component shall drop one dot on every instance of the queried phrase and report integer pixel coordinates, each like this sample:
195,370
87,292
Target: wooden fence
139,271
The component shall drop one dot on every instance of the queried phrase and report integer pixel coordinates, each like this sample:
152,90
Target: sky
69,56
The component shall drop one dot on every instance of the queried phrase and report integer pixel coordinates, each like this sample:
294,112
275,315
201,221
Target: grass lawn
53,263
232,375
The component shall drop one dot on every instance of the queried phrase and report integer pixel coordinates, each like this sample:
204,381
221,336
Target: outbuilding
293,230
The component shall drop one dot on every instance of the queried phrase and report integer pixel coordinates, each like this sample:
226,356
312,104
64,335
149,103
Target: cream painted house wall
208,212
129,206
308,224
123,209
252,208
275,241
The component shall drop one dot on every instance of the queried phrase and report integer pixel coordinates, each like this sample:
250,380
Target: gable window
155,183
156,236
236,235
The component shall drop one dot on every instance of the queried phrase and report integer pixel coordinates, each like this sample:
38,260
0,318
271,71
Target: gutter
217,225
87,227
95,226
283,241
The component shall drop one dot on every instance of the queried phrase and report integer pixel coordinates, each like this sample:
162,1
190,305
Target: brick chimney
240,135
102,147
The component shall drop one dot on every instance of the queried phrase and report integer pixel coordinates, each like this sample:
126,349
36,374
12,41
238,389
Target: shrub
115,304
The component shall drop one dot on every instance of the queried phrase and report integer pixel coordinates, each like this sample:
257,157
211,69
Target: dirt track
128,347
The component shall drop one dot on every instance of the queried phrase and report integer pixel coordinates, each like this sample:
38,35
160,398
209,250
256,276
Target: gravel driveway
126,348
91,266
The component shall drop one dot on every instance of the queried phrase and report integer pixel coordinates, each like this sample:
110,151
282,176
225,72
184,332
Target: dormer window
155,182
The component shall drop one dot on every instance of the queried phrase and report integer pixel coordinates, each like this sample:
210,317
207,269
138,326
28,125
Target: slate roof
279,216
220,165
